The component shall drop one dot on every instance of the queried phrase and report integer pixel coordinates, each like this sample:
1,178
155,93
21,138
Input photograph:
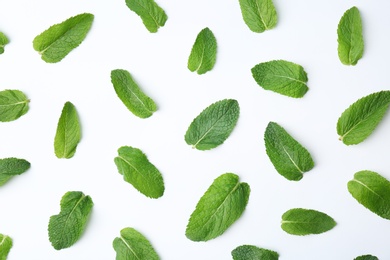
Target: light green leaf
350,37
68,133
131,95
282,77
259,15
221,205
3,41
249,252
306,221
358,121
372,191
132,245
136,169
203,53
66,228
60,39
10,167
152,15
13,104
288,156
213,125
5,246
366,257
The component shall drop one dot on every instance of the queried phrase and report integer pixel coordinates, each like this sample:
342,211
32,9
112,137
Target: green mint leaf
372,191
152,15
5,246
282,77
259,15
13,104
203,53
66,228
350,37
68,133
60,39
213,125
306,221
136,169
289,157
221,205
131,95
366,257
3,41
10,167
132,245
358,121
249,252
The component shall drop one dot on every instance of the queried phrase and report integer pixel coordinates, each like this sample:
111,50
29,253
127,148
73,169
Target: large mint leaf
152,15
13,104
5,246
259,15
3,41
249,252
10,167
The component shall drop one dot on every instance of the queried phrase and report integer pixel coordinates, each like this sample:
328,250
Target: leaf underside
249,252
259,15
13,104
203,53
10,167
152,15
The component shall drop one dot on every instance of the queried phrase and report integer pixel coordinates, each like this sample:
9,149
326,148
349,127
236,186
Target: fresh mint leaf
5,246
213,125
56,42
203,53
13,104
136,169
350,37
10,167
288,156
66,228
133,245
259,15
221,205
358,121
3,41
249,252
282,77
68,133
306,221
366,257
152,15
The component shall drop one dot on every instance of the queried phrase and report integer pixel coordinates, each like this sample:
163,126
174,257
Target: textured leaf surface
132,245
203,53
221,205
288,156
66,228
56,42
152,15
213,125
282,77
350,37
358,121
3,41
366,257
68,133
5,246
372,191
131,95
249,252
136,169
13,104
10,167
306,221
259,15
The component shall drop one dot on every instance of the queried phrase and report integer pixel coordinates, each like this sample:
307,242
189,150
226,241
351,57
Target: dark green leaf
203,53
249,252
152,15
10,167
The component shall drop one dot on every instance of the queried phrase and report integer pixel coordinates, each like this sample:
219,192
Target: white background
305,34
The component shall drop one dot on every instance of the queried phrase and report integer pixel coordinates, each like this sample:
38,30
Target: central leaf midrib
149,13
293,162
368,188
71,212
129,247
260,16
131,165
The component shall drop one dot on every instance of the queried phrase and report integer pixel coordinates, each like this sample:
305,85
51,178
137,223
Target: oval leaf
66,228
259,15
3,41
136,169
306,221
358,121
152,15
60,39
10,167
13,104
221,205
5,246
366,257
213,125
249,252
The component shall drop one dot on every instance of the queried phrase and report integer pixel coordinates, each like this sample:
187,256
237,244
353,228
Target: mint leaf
358,121
221,205
68,132
13,104
203,53
133,245
152,15
131,95
10,167
259,15
249,252
306,221
136,169
213,125
66,228
3,41
350,37
288,156
5,246
366,257
56,42
282,77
